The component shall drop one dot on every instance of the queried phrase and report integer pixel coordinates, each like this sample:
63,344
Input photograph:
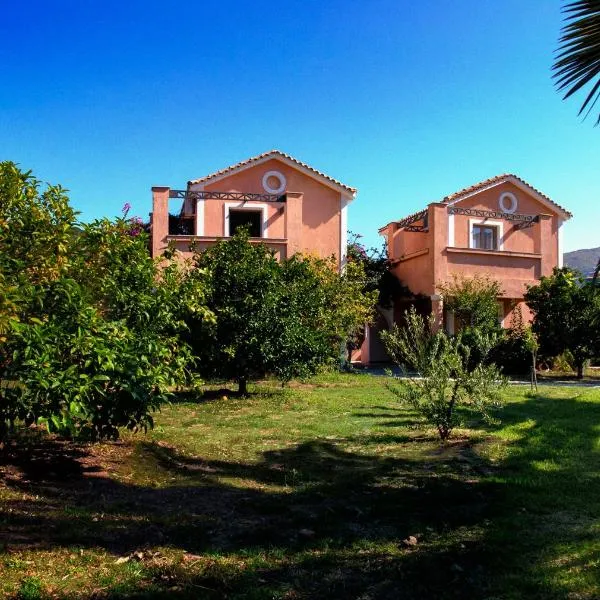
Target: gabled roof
492,182
504,178
286,158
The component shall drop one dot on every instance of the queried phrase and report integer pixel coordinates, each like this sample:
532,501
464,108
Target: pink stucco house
502,228
288,205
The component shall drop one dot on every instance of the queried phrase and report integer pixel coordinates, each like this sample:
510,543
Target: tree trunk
579,366
243,386
533,371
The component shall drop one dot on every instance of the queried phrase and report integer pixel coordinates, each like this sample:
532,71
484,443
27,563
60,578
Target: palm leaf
577,63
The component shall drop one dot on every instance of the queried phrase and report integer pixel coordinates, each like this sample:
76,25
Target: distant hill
583,260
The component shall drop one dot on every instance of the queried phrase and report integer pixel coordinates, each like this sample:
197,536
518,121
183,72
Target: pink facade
290,207
501,228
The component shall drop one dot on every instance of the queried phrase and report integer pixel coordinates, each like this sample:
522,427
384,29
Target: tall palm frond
596,272
578,61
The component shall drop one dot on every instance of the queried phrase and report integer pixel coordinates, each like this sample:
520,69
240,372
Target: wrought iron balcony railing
240,196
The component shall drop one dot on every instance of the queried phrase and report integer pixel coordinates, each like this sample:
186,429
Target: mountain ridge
584,260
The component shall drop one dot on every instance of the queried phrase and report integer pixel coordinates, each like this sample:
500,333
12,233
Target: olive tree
445,379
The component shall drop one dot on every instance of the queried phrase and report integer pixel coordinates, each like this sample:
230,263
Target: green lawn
325,490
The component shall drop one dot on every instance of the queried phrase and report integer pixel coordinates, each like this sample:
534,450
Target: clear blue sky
407,101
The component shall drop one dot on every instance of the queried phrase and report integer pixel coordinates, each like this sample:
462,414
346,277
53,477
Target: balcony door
246,218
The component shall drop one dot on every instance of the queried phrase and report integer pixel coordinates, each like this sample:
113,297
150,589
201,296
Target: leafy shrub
513,352
286,318
563,362
567,316
445,379
512,355
89,323
474,302
31,588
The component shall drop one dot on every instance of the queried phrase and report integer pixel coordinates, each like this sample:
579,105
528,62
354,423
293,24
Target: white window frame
264,208
501,313
449,322
199,212
498,224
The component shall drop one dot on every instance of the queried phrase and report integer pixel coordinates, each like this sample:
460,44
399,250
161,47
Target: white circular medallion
273,182
505,199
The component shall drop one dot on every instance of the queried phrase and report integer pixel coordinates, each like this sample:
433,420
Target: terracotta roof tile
272,154
492,181
500,179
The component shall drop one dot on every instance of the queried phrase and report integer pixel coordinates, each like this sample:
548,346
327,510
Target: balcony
184,224
188,245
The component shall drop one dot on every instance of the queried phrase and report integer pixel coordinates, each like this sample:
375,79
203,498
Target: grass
322,490
590,375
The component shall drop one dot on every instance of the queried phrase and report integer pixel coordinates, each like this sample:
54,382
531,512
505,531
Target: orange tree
90,324
285,318
566,316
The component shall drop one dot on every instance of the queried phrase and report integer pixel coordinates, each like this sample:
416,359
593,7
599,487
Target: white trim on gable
343,231
523,187
286,161
560,243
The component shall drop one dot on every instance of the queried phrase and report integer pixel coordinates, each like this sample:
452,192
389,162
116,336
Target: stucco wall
182,244
320,232
526,253
513,273
408,242
416,274
516,240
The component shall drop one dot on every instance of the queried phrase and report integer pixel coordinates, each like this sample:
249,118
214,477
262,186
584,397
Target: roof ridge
252,159
482,184
498,179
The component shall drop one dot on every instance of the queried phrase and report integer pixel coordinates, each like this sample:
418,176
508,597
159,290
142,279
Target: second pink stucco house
502,228
286,204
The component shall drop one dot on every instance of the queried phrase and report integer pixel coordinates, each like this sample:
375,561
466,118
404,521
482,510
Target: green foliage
563,363
284,318
576,63
89,322
445,378
474,302
376,266
31,588
36,227
514,351
567,316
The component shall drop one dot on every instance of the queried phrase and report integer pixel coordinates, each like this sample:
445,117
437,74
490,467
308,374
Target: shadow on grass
212,393
334,518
